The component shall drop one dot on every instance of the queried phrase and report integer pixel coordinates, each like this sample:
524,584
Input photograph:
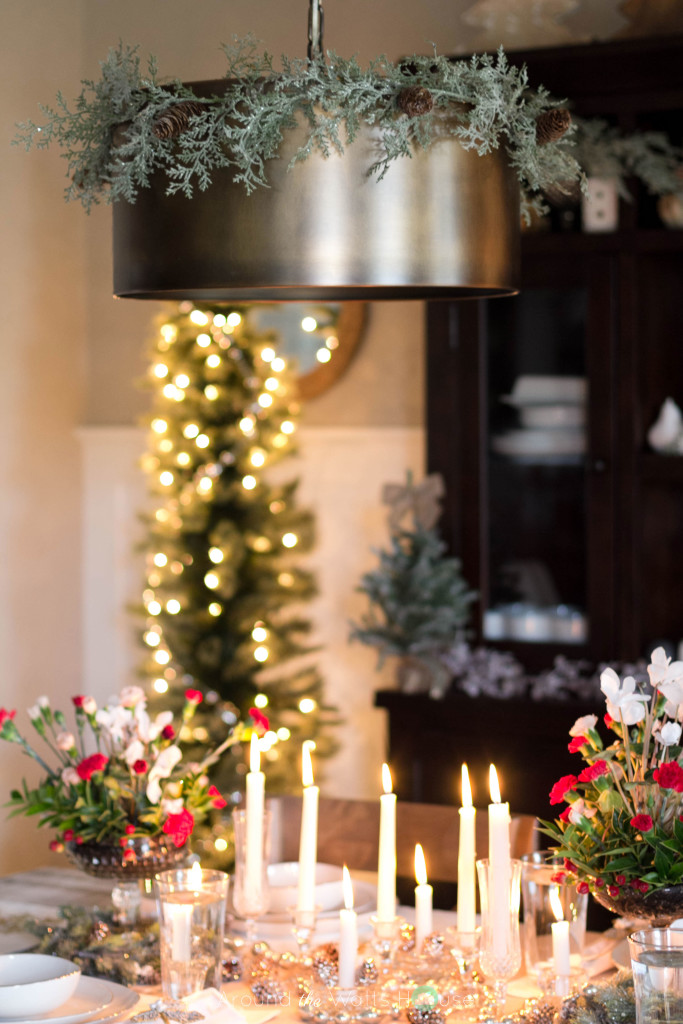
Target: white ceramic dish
552,417
537,389
283,880
563,441
94,1002
365,896
32,984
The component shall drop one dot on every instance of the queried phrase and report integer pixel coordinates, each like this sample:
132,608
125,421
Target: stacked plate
93,1002
278,924
552,416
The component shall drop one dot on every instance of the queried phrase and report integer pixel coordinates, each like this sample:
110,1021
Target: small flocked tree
224,581
419,601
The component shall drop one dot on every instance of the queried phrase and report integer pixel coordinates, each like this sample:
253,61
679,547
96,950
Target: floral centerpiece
621,832
119,776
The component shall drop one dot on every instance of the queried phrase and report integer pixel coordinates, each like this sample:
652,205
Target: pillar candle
423,900
308,841
499,867
179,912
348,935
560,934
256,784
467,855
386,870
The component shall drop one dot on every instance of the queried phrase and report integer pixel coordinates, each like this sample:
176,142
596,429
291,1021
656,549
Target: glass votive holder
385,938
543,894
657,964
191,907
560,986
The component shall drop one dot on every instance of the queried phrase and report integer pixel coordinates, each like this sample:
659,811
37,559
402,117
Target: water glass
191,908
539,894
500,952
657,963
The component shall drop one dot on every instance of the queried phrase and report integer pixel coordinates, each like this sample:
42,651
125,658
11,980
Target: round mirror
319,340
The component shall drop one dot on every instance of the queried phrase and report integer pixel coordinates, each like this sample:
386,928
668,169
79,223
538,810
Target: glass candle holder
543,893
191,907
250,893
500,951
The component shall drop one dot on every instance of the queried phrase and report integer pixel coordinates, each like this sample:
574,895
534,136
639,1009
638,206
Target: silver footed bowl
106,860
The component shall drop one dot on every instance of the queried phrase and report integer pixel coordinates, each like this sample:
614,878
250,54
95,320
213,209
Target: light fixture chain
315,30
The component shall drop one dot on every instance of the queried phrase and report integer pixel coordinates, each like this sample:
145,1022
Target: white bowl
34,983
532,389
283,880
552,416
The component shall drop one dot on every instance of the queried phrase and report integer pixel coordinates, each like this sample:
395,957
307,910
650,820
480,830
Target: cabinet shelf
658,468
650,240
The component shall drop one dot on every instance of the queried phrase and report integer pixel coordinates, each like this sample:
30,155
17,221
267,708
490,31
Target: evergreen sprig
605,151
112,150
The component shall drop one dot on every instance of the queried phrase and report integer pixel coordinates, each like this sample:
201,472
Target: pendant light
444,223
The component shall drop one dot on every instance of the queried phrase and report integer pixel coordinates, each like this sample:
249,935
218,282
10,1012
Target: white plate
563,441
94,1002
326,929
365,898
17,942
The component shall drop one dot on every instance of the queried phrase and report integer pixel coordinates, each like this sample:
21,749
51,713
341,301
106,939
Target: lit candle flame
420,866
254,754
387,784
556,903
493,785
306,765
196,876
466,789
347,888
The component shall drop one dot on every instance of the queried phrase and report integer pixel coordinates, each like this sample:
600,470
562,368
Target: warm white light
323,355
205,484
493,785
203,340
166,478
166,445
181,380
556,902
420,866
234,319
169,333
254,754
177,568
199,318
191,430
162,515
211,580
308,324
216,555
278,364
159,426
160,685
202,441
283,733
257,458
290,540
169,391
183,459
332,342
173,606
466,789
271,384
211,392
276,506
306,705
347,888
267,355
265,401
160,370
219,319
387,783
154,608
247,424
279,441
162,657
154,579
249,482
220,844
261,654
261,544
152,639
160,559
260,700
213,360
259,633
306,766
215,609
285,579
195,877
287,427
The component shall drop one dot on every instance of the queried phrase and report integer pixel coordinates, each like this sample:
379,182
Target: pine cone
415,101
173,121
552,124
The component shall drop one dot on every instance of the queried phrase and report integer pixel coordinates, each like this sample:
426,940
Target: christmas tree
419,601
223,575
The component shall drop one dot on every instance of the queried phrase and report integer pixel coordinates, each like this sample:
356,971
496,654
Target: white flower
70,777
669,734
43,702
622,700
131,696
135,751
578,810
114,721
172,806
65,741
582,725
89,705
666,676
34,712
161,769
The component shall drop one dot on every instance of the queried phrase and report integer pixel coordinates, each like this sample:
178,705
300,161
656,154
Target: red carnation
643,822
179,827
218,801
608,720
599,883
129,855
561,787
89,765
194,696
583,887
558,878
78,701
575,746
261,723
643,886
565,813
129,829
56,846
123,841
168,732
669,776
79,840
613,890
620,879
67,835
569,865
5,715
140,766
594,771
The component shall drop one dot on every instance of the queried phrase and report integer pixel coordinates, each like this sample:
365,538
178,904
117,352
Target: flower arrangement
622,828
120,775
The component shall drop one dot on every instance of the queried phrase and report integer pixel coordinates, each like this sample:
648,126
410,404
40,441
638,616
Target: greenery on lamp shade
224,580
419,602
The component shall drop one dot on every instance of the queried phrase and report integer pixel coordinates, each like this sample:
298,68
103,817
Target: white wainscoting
341,472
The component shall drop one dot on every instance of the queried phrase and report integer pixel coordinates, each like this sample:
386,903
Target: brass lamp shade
442,224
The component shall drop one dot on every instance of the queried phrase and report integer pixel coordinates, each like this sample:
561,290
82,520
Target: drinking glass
500,952
250,891
191,907
657,963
